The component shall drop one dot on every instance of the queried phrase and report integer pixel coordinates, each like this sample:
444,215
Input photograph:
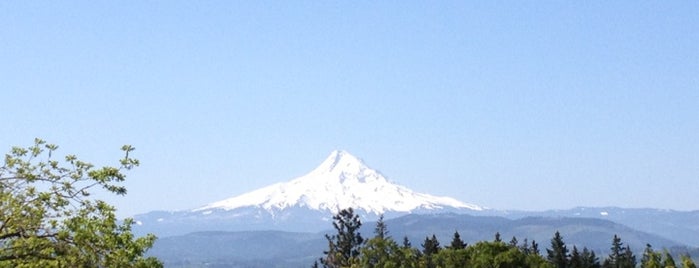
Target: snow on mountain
341,181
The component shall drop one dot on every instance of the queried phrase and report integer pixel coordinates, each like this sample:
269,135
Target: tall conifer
558,254
456,242
344,246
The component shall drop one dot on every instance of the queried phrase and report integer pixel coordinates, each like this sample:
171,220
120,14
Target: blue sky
511,105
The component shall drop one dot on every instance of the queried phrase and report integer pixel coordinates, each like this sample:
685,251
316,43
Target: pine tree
431,246
535,248
589,259
344,246
558,254
406,243
409,256
513,241
380,230
381,250
629,258
497,237
525,247
456,242
620,256
614,257
575,259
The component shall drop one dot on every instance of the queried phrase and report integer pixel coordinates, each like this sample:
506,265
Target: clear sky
506,104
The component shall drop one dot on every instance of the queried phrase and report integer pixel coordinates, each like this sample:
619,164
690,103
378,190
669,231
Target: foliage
558,254
381,230
620,256
382,251
343,247
687,262
656,259
651,259
575,259
589,259
429,248
47,218
456,242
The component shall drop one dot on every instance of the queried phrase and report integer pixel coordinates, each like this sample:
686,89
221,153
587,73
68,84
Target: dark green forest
348,248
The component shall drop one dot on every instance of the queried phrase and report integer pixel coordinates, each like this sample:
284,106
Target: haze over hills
296,214
680,226
306,203
271,248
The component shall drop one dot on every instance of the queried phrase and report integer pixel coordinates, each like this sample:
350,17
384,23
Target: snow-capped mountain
305,203
341,181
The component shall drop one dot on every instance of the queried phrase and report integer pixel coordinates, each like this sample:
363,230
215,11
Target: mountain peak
338,162
340,181
339,157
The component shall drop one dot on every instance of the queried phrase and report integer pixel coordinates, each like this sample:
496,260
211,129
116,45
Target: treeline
347,248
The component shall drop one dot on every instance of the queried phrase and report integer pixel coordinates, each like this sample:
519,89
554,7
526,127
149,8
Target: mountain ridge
305,203
346,181
254,249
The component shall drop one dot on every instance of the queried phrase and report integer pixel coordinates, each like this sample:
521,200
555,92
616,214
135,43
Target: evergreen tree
408,256
380,230
575,259
535,248
344,246
406,242
558,254
589,259
629,258
497,237
525,247
456,242
620,256
513,241
615,255
381,250
431,246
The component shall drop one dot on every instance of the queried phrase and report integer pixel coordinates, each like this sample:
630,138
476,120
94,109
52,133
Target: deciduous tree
49,219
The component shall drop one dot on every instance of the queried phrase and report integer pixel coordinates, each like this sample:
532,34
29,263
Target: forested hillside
348,248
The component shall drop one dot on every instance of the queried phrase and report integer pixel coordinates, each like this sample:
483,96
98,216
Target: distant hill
293,249
301,209
595,234
681,226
